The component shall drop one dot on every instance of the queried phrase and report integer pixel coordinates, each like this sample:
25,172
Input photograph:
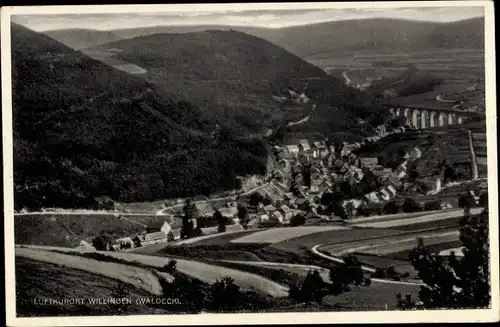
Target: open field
302,243
408,243
459,69
373,297
457,58
237,232
428,218
139,277
202,271
391,243
300,270
209,231
438,247
106,56
281,234
37,279
69,230
402,265
221,239
210,273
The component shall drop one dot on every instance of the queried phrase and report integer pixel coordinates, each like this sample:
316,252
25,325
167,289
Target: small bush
170,267
391,208
432,205
379,273
297,220
410,205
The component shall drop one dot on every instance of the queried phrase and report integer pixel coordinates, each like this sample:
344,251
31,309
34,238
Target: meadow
37,279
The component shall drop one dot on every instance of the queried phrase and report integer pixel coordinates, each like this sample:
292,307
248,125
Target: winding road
364,268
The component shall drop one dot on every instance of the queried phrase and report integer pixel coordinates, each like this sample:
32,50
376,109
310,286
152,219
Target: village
311,182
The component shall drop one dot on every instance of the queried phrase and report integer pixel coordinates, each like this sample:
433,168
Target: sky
259,18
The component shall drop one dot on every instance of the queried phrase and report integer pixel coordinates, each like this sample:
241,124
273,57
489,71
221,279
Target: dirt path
365,268
202,271
230,197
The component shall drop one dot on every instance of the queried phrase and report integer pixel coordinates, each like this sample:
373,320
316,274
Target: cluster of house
156,232
329,165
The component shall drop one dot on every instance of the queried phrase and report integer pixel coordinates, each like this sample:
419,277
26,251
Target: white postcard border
489,315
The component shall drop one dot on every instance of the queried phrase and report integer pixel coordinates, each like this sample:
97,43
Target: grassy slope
141,277
69,230
35,279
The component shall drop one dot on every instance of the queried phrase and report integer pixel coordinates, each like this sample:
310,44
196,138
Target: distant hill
242,74
80,38
214,55
83,130
378,35
323,40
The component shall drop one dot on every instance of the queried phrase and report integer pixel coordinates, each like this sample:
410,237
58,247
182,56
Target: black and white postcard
250,163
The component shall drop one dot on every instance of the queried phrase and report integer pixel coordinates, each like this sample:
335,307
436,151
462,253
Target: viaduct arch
422,118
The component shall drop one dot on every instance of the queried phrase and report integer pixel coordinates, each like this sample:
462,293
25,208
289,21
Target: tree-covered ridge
84,130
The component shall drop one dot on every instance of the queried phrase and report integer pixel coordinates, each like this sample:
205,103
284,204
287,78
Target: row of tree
456,282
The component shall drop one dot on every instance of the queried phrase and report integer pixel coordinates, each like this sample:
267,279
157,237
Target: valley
246,169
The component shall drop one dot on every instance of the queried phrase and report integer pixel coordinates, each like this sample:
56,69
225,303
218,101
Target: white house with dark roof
392,190
385,195
157,226
150,238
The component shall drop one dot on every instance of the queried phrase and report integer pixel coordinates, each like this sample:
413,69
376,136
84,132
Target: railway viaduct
426,117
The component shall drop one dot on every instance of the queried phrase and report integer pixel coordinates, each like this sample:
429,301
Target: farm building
150,238
157,226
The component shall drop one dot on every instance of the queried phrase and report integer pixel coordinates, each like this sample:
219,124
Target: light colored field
209,232
139,277
391,217
458,252
423,219
275,235
131,68
301,270
233,229
202,271
392,244
409,243
209,273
